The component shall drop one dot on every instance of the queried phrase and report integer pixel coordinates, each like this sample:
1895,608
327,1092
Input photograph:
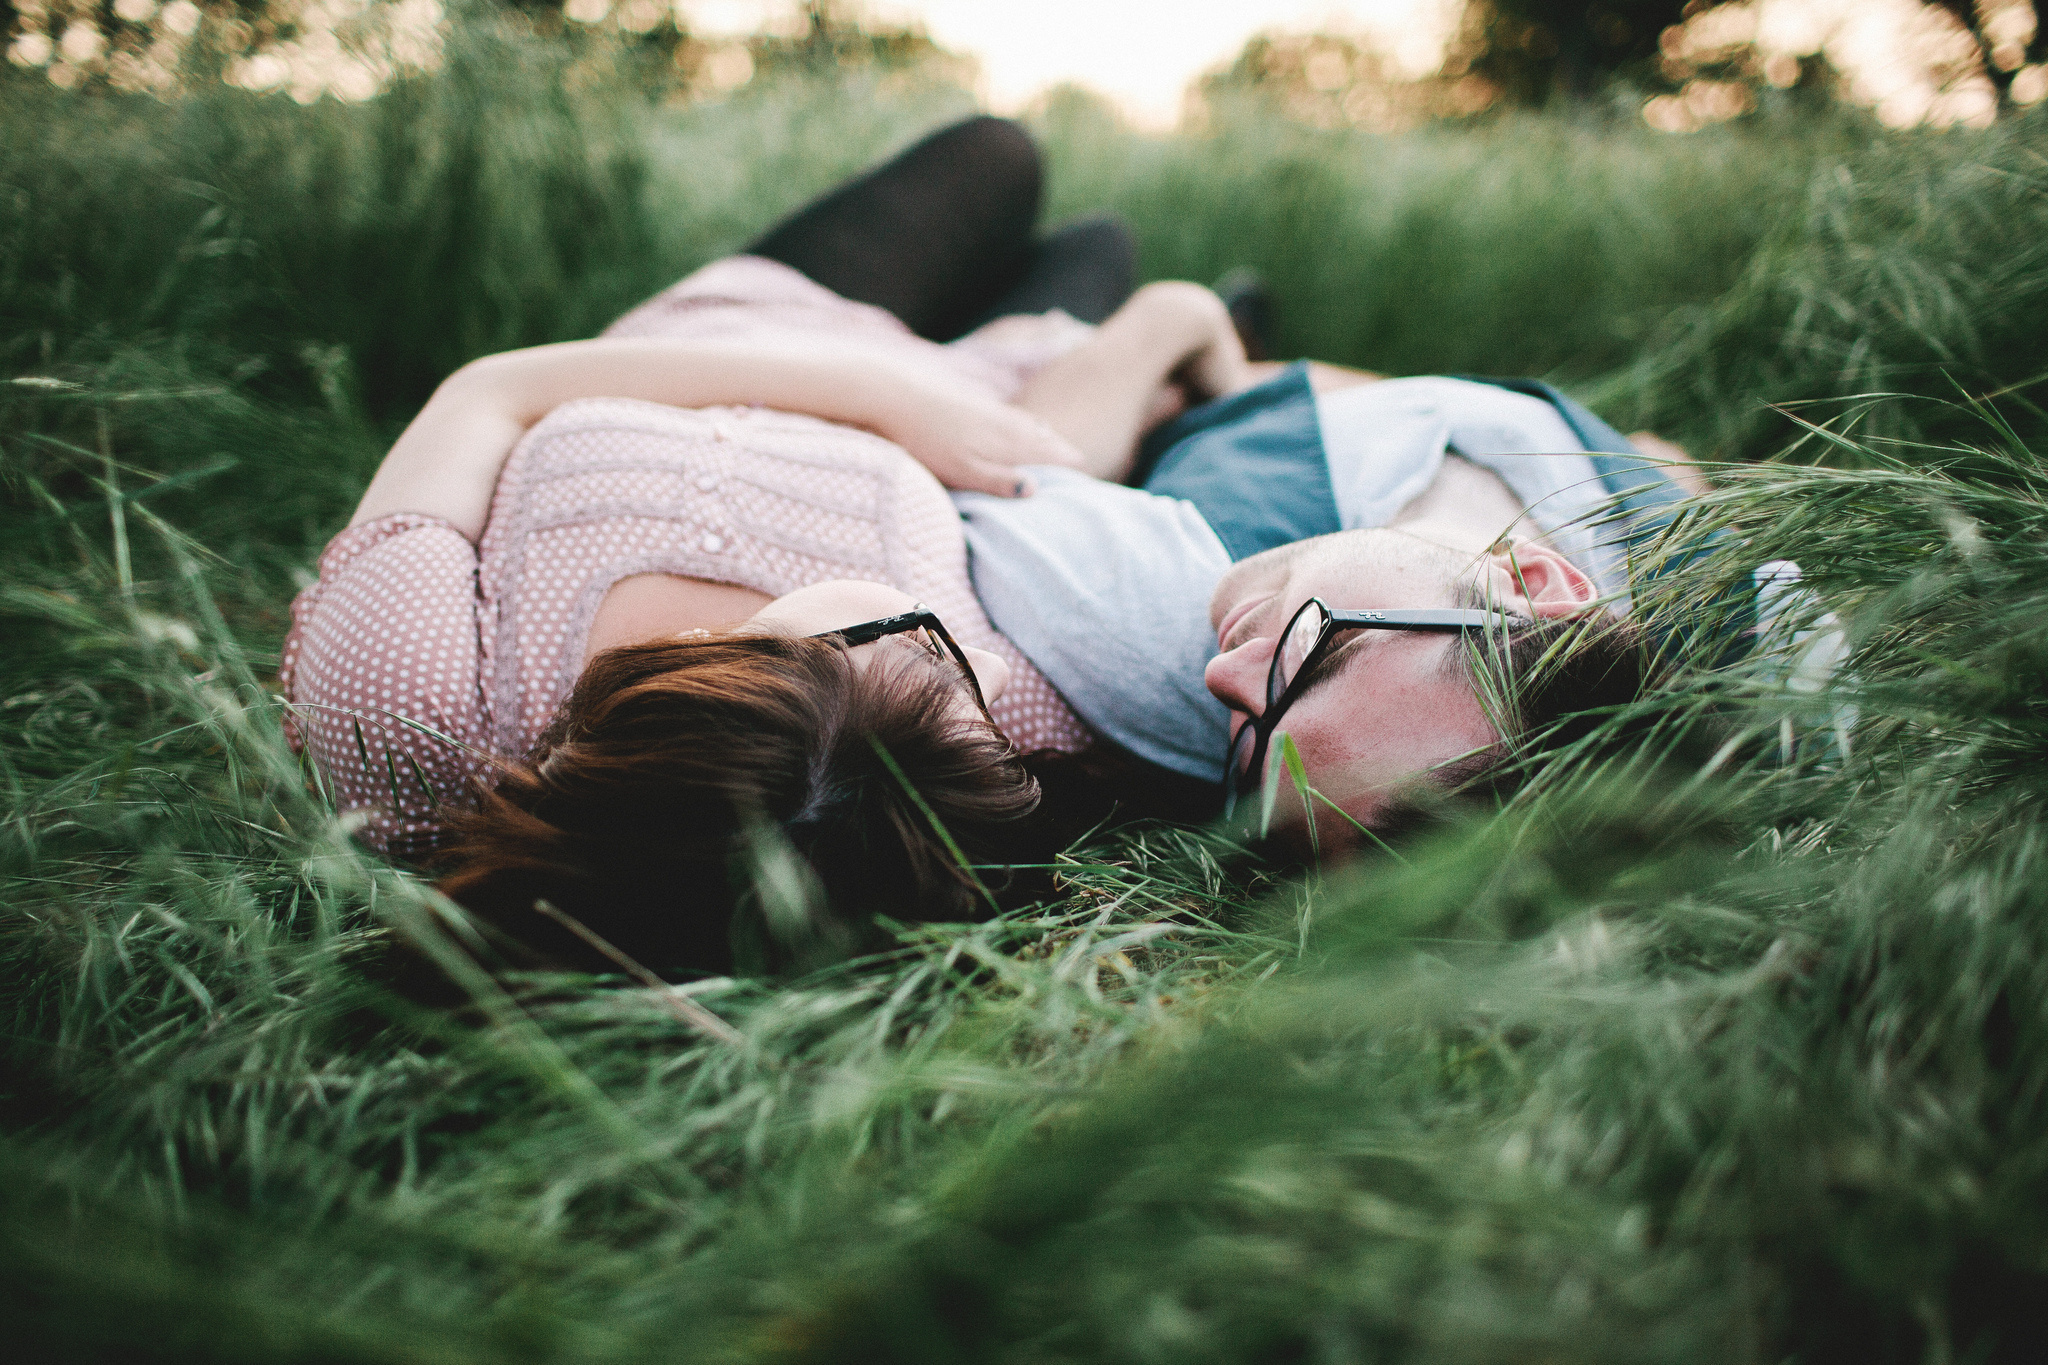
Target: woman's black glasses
1303,645
923,625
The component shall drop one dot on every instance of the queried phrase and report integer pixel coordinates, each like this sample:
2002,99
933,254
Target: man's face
1388,705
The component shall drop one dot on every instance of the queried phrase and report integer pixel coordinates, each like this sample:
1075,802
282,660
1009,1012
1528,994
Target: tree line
1503,52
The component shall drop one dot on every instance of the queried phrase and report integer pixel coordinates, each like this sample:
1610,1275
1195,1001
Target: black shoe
1088,268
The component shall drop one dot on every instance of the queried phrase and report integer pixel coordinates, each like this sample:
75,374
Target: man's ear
1535,580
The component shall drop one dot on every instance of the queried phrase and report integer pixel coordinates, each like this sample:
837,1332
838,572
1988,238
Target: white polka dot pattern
415,654
382,666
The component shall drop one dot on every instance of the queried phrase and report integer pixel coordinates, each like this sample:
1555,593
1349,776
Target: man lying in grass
1325,552
623,616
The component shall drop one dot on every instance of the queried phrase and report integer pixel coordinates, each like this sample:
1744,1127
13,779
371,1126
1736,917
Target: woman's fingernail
1021,489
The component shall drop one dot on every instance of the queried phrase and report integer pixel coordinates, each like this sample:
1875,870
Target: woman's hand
967,439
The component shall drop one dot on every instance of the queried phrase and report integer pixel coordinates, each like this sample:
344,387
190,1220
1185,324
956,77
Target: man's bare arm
1103,395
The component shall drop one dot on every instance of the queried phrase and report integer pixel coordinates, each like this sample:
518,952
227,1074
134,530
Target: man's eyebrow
1331,664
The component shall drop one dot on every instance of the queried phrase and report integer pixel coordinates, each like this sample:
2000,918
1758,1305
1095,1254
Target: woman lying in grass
641,620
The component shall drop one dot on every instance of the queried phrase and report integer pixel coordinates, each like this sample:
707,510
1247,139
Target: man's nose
1238,679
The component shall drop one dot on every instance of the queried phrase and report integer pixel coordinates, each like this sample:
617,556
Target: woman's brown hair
740,801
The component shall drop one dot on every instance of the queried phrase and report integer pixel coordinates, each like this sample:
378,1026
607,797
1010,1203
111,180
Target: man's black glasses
1303,645
921,623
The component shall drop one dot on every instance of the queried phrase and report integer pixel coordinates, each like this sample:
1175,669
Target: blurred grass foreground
1731,1047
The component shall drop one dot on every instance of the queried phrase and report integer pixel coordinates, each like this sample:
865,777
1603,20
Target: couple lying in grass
678,636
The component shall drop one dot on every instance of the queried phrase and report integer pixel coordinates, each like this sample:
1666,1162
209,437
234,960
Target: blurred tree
837,35
352,47
1326,80
2008,36
1515,51
1530,50
1978,59
347,46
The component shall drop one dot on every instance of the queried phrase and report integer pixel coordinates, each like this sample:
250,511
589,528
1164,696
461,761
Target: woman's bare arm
1101,395
446,463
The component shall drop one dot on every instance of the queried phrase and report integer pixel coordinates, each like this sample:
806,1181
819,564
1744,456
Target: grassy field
1730,1047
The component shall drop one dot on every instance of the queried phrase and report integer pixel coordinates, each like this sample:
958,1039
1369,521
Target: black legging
942,236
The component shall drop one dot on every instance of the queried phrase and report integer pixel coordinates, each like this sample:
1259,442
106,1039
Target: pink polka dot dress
417,654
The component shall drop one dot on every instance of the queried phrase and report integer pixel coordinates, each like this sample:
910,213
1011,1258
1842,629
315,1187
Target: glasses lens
1300,641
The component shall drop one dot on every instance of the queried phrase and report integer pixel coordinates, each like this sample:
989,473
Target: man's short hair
1546,684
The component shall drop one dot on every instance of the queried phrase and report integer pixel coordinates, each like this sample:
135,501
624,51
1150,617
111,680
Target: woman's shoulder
370,560
381,668
351,543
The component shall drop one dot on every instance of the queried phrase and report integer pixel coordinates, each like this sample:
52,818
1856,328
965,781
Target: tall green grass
1710,1048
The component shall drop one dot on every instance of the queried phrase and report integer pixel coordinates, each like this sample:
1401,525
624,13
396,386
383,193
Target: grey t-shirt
1107,588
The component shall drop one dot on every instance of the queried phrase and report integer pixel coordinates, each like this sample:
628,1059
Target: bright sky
1141,53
